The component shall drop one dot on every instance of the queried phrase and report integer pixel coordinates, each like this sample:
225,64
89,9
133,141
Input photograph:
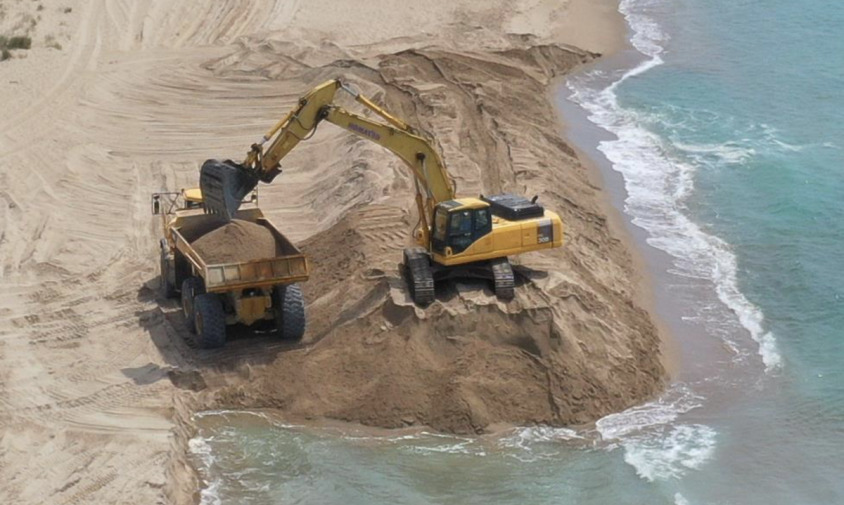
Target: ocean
720,136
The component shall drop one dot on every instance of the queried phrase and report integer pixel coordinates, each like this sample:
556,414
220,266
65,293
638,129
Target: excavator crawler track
503,278
420,277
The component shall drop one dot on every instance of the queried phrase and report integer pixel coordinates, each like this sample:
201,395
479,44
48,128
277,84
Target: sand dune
97,377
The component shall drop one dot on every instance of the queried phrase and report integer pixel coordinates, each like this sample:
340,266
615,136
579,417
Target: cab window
461,222
481,221
460,231
440,222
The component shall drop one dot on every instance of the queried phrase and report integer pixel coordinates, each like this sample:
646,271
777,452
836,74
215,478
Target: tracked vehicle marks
382,226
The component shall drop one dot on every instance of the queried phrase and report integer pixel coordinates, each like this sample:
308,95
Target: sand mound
235,242
467,362
572,347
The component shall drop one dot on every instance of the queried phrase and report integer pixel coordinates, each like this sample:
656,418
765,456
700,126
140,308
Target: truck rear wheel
289,311
167,273
191,288
210,321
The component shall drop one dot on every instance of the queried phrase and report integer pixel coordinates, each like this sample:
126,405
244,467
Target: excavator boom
225,184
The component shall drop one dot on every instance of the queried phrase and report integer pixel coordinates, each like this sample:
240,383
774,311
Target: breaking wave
658,183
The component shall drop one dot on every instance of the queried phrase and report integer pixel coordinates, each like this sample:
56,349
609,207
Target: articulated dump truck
216,295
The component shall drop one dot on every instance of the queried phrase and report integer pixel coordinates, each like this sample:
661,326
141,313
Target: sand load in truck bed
237,242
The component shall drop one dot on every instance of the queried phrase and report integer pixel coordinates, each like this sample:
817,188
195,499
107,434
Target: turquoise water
725,129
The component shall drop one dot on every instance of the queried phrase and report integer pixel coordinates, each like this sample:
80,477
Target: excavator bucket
224,185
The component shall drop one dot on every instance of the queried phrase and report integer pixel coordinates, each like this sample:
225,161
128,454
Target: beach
116,100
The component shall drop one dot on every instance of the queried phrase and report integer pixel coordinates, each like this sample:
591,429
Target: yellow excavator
456,237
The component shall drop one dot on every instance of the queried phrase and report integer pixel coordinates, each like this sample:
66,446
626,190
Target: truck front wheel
166,283
191,288
210,321
289,311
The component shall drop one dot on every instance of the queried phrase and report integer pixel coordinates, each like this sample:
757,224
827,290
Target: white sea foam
680,499
677,400
200,448
525,438
654,443
657,184
685,447
730,152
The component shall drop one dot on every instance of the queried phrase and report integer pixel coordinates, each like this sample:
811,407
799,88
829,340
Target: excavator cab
459,224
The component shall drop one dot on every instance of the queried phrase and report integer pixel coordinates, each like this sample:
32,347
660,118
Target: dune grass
19,42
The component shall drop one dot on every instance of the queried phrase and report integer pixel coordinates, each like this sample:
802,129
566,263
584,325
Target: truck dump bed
287,267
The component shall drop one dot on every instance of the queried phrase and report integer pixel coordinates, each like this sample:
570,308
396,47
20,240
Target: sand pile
235,242
556,355
572,347
463,365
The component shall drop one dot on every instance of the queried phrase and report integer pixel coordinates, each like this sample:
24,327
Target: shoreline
659,285
694,352
584,136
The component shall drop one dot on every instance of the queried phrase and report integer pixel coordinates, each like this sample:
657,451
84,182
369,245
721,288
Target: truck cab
169,203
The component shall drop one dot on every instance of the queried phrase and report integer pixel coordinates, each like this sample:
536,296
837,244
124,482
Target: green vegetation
7,43
51,42
15,42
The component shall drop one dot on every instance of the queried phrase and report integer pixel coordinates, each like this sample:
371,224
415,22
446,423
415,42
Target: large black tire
210,320
289,311
167,273
191,288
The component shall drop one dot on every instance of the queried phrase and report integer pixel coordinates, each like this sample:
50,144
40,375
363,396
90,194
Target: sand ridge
98,377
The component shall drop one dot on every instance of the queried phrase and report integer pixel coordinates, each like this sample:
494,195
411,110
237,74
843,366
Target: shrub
19,43
5,55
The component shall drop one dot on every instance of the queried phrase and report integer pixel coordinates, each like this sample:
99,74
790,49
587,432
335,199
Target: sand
97,378
236,242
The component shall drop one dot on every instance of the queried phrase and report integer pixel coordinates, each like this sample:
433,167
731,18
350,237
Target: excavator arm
224,184
432,181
